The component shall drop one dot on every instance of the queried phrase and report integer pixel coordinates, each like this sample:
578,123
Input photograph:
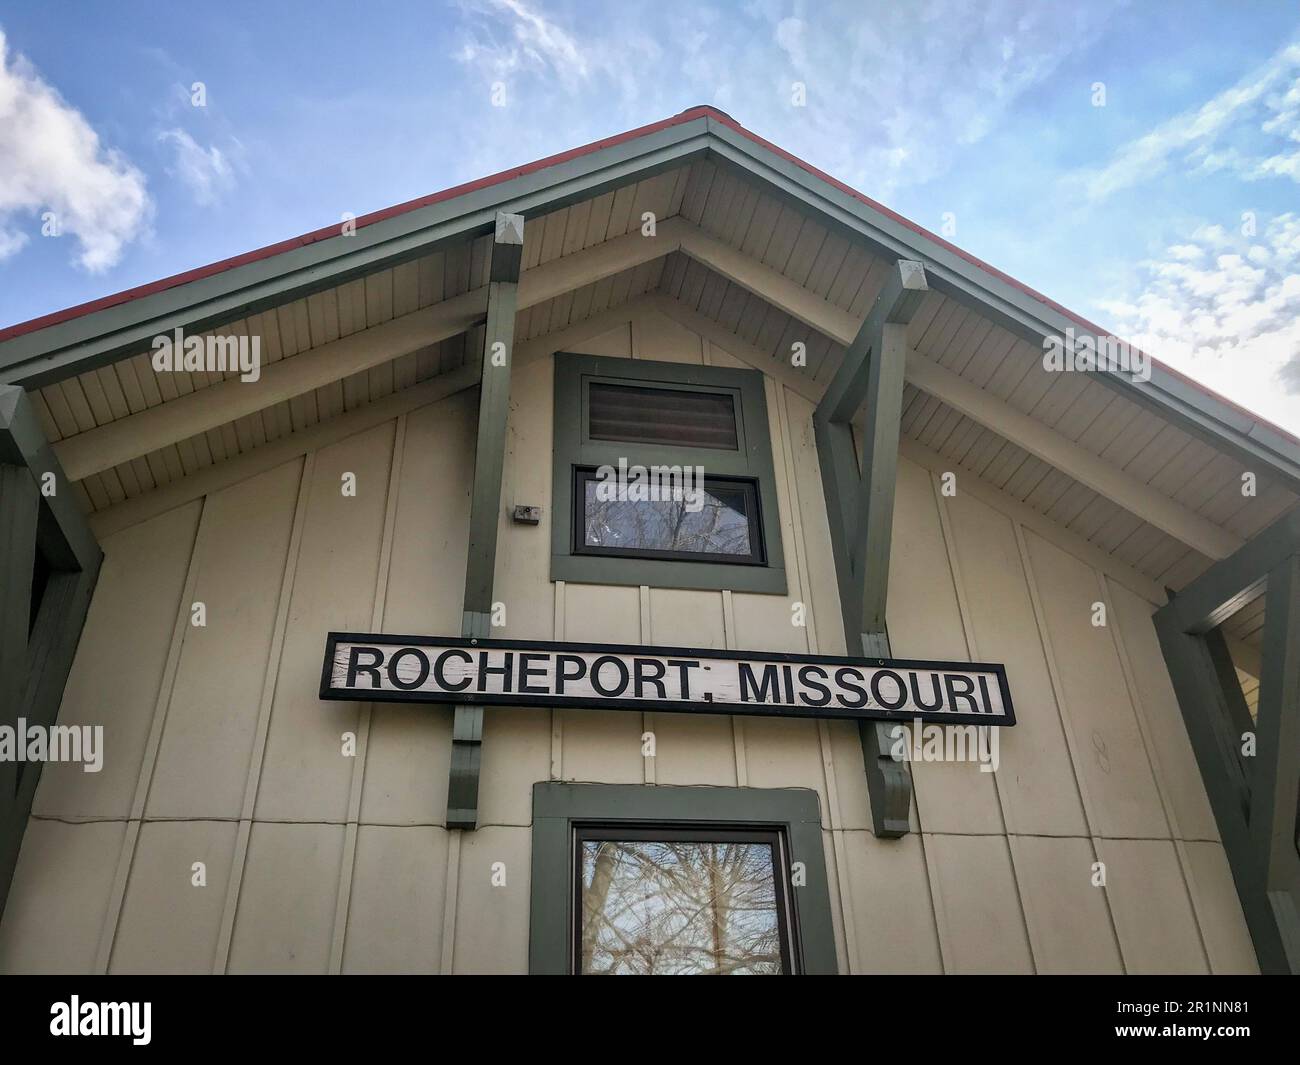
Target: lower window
681,901
632,879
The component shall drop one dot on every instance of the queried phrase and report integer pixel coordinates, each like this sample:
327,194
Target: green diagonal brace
860,507
1255,799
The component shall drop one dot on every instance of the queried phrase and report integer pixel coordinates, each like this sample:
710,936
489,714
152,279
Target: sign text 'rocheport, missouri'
444,669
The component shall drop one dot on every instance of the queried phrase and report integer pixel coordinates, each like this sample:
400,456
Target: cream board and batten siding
219,751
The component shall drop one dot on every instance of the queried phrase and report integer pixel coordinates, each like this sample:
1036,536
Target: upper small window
663,476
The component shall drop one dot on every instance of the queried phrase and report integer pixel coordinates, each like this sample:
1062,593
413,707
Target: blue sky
1170,214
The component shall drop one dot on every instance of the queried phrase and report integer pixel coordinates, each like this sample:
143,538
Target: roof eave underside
736,264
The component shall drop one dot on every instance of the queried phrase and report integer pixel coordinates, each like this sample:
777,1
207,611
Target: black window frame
694,832
751,461
757,550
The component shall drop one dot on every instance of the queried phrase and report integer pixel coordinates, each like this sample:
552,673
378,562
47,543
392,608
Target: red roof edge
699,111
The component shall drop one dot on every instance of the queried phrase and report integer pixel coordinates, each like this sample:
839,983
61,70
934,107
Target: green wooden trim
1231,582
658,573
23,443
557,806
573,374
1254,799
899,299
838,462
490,449
466,765
19,503
51,651
860,507
34,667
1275,780
485,504
889,779
1207,715
875,516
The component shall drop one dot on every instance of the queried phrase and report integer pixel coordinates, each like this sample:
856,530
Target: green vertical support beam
1275,781
1254,798
889,782
37,508
485,503
860,506
19,502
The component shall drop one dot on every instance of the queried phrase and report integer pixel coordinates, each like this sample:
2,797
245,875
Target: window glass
666,907
709,518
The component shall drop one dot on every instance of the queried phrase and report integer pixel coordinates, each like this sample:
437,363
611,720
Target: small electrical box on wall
526,515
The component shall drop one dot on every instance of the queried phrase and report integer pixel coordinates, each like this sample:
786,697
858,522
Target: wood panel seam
834,815
1058,695
270,679
973,652
1153,758
347,865
153,743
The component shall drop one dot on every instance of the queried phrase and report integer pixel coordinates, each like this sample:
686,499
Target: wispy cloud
892,95
1251,129
52,161
1225,307
514,37
208,172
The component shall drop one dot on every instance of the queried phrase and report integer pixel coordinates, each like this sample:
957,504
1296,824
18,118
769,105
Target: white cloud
207,172
893,92
514,37
52,160
11,242
1225,310
1231,131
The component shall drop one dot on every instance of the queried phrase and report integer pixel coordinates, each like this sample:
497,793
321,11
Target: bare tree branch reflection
654,907
720,526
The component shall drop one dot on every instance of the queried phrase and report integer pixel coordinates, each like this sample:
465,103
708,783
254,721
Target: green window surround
561,810
760,568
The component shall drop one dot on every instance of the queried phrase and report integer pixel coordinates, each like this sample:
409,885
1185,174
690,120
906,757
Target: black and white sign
444,669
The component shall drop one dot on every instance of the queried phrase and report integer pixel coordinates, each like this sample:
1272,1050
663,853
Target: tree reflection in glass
667,908
719,527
